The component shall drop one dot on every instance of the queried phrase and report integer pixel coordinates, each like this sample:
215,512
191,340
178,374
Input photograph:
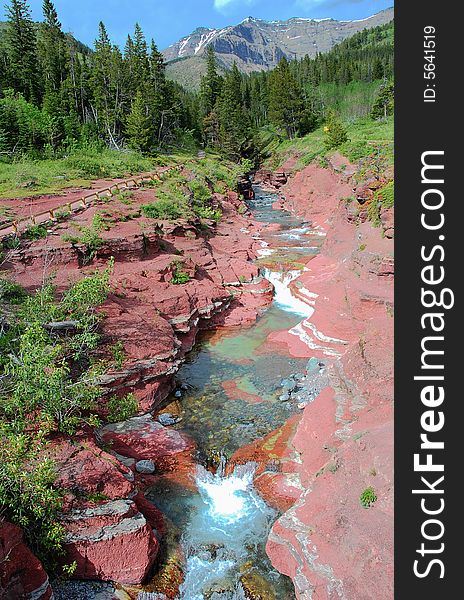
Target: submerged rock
167,419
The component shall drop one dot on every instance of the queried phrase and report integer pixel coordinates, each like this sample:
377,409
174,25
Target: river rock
110,542
145,466
21,572
143,438
167,419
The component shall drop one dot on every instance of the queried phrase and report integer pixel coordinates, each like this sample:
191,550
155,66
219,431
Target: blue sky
169,20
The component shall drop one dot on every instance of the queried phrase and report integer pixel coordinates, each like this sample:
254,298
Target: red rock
143,438
235,393
21,573
110,542
387,216
86,470
327,541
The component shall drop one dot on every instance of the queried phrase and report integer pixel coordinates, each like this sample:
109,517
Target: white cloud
223,5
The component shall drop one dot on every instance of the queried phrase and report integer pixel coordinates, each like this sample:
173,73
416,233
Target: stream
223,527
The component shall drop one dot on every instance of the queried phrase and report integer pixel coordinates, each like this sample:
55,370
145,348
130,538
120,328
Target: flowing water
224,525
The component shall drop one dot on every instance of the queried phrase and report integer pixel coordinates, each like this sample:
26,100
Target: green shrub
199,190
117,350
335,132
27,495
90,237
121,409
11,292
386,195
36,232
164,209
179,276
87,166
207,212
373,212
11,243
368,497
39,385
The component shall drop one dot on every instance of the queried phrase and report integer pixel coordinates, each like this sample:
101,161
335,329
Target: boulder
21,573
387,217
85,470
110,542
143,438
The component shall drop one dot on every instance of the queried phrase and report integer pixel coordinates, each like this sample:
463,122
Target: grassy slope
26,178
364,135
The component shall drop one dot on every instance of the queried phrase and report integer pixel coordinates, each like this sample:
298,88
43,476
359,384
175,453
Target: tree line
55,93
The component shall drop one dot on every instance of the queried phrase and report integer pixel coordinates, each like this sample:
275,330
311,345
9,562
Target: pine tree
106,80
232,119
384,104
139,124
52,49
210,83
157,68
335,132
22,50
286,104
141,62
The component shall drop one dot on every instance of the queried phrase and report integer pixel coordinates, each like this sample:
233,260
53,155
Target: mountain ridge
257,45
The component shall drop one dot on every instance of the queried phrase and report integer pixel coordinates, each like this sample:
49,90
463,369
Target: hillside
256,45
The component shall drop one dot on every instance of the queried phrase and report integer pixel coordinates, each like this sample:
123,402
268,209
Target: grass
180,197
364,135
27,177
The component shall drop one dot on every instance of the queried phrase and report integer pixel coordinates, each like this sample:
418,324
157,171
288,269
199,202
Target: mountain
257,45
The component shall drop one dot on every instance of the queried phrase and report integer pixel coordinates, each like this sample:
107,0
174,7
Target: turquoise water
223,527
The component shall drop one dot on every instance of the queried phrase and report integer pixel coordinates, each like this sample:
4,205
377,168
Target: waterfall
231,519
283,296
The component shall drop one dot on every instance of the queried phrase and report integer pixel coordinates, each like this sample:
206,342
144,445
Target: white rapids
230,518
283,296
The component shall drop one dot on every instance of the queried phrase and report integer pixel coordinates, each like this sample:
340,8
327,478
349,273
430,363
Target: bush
36,232
39,386
335,132
207,212
90,237
27,496
11,292
179,276
43,382
368,497
164,209
386,195
199,190
121,409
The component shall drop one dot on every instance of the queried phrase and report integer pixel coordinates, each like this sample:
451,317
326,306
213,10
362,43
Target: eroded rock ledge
327,542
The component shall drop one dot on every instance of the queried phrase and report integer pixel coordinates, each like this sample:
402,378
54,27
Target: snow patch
205,39
183,43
